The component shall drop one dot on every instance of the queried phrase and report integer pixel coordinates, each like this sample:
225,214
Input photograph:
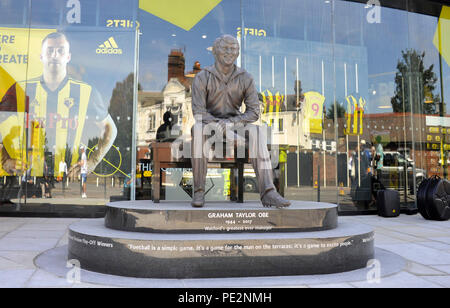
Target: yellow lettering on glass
251,31
120,23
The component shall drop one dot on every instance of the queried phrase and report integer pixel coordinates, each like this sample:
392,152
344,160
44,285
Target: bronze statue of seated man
218,93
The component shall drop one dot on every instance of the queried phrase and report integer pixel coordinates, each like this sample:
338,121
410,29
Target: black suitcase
438,200
421,198
429,197
388,203
433,198
362,192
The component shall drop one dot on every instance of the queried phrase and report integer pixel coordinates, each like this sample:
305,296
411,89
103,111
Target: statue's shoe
273,198
198,200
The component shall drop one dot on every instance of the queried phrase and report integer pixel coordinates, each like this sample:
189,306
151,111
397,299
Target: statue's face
227,52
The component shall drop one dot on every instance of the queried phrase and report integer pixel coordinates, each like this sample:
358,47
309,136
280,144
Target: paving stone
418,253
8,264
15,219
384,239
399,236
41,279
63,240
442,268
444,281
435,245
36,234
15,278
65,221
91,285
443,239
36,220
333,286
27,244
391,224
43,227
286,287
401,280
8,226
439,226
419,232
421,270
386,223
23,258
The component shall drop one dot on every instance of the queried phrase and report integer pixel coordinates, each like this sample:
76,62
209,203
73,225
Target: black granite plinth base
219,217
156,255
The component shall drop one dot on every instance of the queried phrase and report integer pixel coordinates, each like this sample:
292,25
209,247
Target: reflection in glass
356,101
57,96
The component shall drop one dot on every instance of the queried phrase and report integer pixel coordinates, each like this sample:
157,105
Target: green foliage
121,111
340,111
415,85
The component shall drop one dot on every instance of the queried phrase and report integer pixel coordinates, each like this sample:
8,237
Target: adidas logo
109,47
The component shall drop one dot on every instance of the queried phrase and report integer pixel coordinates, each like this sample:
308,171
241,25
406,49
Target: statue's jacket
214,98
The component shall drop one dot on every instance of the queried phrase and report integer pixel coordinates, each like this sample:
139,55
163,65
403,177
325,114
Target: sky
290,24
287,24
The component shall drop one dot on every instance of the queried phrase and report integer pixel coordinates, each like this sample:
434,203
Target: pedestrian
63,172
351,167
83,171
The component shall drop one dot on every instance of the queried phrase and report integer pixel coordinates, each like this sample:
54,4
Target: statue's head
226,49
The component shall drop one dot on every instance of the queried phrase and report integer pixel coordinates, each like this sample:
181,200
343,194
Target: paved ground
425,245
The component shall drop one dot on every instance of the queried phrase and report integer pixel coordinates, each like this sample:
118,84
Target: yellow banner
313,114
273,105
354,116
272,102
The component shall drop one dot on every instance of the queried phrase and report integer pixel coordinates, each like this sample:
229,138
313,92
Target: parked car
250,183
393,172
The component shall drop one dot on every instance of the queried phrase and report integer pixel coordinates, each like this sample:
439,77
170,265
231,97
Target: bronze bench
162,158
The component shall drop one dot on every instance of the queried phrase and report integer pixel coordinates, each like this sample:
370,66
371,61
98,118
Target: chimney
196,69
176,65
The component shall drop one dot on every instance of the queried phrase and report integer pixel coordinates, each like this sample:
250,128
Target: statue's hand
224,124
